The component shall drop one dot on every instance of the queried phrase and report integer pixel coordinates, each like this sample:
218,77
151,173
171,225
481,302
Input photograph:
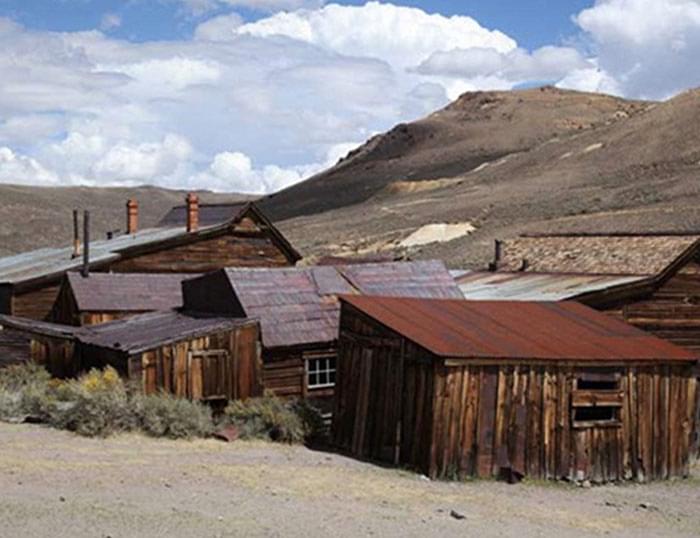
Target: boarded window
320,372
596,401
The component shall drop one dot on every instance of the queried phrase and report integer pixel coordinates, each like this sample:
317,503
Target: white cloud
222,28
400,36
512,67
110,21
650,48
234,171
19,169
261,105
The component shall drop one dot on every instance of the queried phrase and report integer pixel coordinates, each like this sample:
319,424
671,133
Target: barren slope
35,217
636,171
478,127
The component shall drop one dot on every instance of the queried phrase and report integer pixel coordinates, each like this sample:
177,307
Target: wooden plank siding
184,368
397,403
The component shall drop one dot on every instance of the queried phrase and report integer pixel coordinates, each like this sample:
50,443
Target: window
320,372
596,401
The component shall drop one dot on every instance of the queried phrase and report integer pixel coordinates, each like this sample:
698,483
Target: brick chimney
192,212
132,216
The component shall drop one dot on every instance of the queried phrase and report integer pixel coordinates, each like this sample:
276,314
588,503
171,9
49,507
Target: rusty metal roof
149,331
516,330
525,286
127,292
605,254
298,305
209,214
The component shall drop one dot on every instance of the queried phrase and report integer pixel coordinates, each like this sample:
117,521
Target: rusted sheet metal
209,214
516,330
299,305
148,331
127,292
525,286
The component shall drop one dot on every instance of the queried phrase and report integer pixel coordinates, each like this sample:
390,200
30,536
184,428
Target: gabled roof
126,292
604,254
525,286
209,214
49,264
298,305
505,330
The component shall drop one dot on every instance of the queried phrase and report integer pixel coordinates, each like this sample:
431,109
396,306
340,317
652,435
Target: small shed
484,388
102,297
186,354
299,312
182,353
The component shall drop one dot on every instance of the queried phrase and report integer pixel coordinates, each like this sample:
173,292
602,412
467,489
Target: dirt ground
56,484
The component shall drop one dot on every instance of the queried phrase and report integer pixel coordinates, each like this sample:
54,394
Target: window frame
610,398
331,367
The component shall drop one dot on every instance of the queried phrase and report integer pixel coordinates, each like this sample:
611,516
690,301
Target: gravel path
59,485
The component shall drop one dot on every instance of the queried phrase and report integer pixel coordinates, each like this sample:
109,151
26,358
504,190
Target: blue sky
532,23
255,95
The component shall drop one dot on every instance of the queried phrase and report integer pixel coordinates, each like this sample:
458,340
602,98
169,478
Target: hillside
477,128
36,217
576,162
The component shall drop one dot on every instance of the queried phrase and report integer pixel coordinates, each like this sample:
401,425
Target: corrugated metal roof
127,292
524,286
209,214
299,305
149,331
55,261
516,330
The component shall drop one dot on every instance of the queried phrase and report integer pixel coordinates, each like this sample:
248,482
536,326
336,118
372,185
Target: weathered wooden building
186,354
484,388
649,280
29,282
103,297
299,311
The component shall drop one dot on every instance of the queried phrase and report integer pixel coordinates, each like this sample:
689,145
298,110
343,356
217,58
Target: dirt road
56,484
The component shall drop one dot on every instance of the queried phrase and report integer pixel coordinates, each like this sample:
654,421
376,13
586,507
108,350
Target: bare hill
477,128
35,217
604,164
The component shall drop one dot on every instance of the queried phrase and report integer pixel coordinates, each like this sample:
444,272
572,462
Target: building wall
284,373
190,368
35,304
396,403
672,312
254,249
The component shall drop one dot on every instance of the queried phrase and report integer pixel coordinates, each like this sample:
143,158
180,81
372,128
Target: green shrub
96,404
163,415
17,377
269,417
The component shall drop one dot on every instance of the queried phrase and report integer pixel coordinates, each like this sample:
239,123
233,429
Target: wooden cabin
196,243
103,297
494,388
186,354
299,311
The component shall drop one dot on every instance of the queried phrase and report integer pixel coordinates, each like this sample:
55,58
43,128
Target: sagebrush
269,417
99,403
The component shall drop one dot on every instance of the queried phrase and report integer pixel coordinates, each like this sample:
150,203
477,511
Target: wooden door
208,372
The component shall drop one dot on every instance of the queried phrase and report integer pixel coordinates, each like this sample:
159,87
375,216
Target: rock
648,506
62,499
586,484
457,515
227,434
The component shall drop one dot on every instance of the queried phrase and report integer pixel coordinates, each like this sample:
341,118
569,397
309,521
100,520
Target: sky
256,95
